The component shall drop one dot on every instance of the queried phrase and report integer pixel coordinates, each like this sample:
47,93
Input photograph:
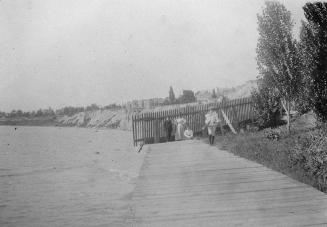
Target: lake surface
53,176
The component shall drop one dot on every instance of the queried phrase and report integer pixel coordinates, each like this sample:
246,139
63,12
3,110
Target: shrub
267,107
302,102
301,154
310,152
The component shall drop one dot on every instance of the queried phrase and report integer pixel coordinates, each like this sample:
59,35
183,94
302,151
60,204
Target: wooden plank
161,126
235,117
151,125
134,131
147,126
139,127
157,129
143,128
218,189
228,122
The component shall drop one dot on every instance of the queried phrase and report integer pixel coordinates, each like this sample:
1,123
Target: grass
301,155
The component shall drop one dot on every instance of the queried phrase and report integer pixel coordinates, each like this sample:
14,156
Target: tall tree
277,57
187,97
214,95
172,98
266,105
313,48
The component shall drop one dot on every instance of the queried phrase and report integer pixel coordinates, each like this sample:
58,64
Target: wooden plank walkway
190,183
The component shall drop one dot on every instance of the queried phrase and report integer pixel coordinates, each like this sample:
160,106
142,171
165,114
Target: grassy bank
301,155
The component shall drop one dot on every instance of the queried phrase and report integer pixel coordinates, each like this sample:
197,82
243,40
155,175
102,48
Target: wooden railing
148,127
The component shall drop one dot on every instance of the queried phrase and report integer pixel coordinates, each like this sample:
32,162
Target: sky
56,53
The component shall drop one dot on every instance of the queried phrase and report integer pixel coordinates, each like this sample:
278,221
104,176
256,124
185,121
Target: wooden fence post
156,131
228,122
236,120
133,128
143,124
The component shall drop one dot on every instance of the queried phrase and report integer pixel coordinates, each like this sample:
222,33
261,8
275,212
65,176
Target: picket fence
148,127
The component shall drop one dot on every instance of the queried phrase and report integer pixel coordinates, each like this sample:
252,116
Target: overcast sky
77,52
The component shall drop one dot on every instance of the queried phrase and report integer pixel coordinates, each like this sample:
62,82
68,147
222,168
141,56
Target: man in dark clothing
168,125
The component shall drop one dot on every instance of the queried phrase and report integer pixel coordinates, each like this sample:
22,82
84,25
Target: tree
26,114
187,97
266,105
214,95
306,52
49,112
172,98
112,106
92,107
166,101
39,113
13,114
277,55
313,46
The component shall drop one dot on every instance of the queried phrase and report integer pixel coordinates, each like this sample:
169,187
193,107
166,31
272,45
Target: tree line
292,73
67,110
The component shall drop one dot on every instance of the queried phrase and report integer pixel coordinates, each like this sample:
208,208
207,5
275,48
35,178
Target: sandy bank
114,119
119,119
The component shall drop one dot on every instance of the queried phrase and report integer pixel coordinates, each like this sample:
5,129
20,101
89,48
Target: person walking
211,122
168,125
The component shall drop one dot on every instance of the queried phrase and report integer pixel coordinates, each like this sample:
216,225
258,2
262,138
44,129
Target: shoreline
50,123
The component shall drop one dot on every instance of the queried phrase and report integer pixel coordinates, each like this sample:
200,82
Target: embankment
115,119
300,154
99,119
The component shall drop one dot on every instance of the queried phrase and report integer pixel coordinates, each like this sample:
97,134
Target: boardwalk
190,183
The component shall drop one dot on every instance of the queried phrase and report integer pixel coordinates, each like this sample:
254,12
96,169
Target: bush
301,154
267,107
310,152
302,102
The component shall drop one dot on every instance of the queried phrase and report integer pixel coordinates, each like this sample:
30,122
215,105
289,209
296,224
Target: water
52,176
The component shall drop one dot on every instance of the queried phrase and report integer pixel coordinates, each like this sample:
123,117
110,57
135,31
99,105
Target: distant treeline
67,110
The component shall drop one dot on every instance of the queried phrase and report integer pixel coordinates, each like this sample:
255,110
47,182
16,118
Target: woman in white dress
180,127
211,122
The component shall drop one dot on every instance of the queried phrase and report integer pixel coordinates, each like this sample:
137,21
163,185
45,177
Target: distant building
157,102
205,97
144,103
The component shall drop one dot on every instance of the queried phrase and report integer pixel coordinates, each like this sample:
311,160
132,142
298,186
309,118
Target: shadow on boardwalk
190,183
